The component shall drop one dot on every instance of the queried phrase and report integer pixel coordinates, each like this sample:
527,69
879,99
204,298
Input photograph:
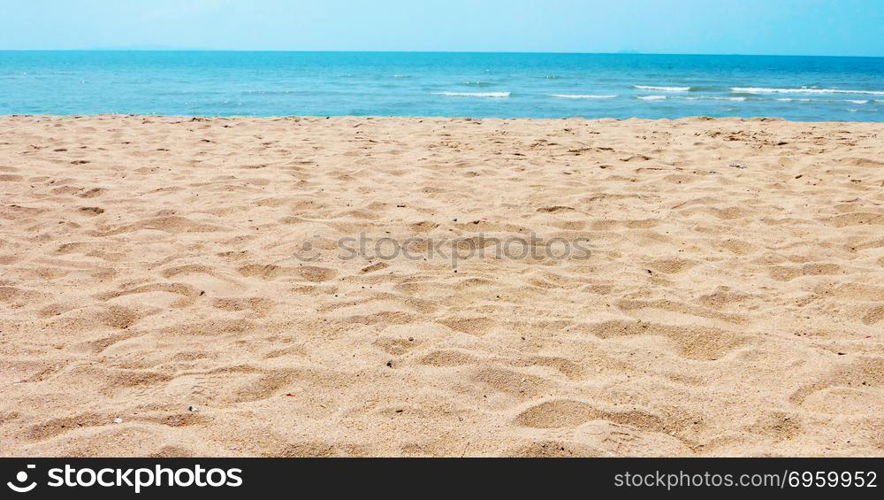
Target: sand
152,301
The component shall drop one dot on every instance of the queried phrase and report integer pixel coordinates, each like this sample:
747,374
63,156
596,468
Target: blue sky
810,27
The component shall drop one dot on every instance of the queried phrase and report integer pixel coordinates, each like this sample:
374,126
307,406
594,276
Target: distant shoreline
516,52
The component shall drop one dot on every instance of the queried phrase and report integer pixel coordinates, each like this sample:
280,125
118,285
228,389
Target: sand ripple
183,275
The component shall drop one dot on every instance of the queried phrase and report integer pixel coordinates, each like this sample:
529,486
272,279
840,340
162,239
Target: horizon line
618,53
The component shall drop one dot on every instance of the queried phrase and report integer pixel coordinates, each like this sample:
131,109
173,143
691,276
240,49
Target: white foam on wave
582,96
652,97
716,98
801,90
655,88
495,95
859,101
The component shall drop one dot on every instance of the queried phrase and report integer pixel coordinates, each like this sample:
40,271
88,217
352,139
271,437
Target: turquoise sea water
440,84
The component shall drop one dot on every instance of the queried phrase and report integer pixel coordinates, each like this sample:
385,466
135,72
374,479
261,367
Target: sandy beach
175,286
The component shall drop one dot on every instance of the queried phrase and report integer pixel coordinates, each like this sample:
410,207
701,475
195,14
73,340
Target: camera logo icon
21,478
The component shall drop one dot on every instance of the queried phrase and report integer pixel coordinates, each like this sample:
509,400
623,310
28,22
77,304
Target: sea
479,85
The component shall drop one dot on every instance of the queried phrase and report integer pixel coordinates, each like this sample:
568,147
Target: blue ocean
478,85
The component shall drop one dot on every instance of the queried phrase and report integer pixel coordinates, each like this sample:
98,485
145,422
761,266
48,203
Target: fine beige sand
152,301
